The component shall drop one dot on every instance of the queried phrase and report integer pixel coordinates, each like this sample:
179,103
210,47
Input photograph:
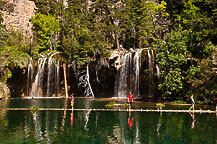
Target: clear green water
87,127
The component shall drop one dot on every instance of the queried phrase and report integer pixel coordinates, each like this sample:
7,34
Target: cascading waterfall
39,77
84,81
122,87
57,87
50,75
137,66
136,74
30,76
53,77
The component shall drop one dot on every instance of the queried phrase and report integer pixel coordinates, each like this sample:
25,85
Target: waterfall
52,73
136,74
150,69
57,78
30,76
84,81
122,87
137,66
158,70
39,77
88,81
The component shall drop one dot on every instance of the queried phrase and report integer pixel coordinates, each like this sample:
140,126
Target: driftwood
116,110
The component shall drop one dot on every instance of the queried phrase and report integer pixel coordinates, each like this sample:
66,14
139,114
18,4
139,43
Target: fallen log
115,110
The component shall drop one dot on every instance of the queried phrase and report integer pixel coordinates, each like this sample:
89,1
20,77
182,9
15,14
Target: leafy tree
199,17
47,28
172,56
201,81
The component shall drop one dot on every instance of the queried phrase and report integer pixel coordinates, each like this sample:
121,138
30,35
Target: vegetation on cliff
183,33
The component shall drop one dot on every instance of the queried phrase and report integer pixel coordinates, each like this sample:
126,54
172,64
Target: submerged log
116,110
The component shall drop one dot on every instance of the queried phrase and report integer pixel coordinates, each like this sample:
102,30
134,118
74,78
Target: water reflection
72,118
130,121
159,125
130,124
193,119
72,126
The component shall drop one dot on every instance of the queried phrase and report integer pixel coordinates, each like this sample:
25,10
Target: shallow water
87,127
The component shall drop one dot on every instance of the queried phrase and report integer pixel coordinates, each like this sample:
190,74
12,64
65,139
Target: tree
82,39
199,17
172,57
47,28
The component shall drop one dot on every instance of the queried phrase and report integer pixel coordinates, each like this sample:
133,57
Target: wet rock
115,58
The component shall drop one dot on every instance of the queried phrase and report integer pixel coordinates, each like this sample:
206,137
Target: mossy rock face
4,91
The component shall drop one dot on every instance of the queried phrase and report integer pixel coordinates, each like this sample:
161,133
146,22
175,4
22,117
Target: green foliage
34,109
198,17
113,104
82,41
202,81
86,32
110,104
13,53
179,102
172,57
160,105
47,28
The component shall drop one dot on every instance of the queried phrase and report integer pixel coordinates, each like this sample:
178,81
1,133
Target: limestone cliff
16,14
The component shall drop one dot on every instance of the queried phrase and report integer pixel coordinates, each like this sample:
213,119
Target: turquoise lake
88,127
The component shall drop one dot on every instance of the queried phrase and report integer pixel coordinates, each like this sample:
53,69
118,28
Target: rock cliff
16,15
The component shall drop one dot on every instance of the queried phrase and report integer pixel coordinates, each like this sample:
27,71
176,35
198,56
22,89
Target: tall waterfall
37,90
30,76
124,73
48,72
136,74
53,76
136,67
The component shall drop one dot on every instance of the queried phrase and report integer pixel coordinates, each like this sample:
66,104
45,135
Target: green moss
34,109
180,102
110,104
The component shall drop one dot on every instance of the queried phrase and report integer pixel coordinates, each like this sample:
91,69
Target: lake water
88,127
